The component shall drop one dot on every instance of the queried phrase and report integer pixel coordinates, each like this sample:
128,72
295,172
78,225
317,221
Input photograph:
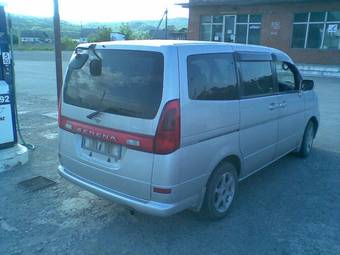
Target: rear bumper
144,206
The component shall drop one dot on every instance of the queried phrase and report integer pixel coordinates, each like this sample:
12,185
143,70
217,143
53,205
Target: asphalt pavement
290,207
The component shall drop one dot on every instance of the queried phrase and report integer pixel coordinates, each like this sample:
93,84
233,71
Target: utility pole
166,23
57,48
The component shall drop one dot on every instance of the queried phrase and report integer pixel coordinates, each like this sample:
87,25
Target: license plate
105,148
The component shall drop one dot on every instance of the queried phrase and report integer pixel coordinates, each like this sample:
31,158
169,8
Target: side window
287,77
257,78
212,77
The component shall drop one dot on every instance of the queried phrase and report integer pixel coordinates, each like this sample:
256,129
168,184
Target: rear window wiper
94,114
118,110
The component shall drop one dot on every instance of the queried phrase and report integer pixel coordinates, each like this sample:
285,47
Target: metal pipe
166,24
57,48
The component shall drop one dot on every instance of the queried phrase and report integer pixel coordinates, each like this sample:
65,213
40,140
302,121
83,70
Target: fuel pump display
6,119
8,133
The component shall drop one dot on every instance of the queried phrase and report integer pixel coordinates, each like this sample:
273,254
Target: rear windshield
130,83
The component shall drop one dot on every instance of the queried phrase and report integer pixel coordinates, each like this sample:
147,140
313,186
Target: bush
67,44
127,31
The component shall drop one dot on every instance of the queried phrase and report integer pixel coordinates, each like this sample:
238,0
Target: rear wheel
308,139
221,191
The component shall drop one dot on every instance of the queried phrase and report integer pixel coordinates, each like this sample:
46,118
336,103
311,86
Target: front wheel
221,191
308,139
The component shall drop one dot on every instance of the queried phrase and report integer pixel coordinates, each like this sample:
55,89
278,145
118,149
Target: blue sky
98,10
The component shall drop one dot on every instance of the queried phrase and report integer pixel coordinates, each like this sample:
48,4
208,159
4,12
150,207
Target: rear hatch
110,109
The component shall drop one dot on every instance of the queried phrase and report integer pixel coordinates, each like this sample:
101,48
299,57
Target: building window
316,30
248,29
243,28
211,28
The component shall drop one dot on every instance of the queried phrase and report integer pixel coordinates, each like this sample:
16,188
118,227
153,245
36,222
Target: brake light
167,137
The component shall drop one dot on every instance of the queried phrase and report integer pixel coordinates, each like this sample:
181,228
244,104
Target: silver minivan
164,126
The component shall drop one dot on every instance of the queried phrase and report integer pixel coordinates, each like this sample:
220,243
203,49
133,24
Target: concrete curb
14,156
319,70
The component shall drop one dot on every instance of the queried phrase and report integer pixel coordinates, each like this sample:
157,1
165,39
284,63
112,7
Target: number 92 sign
4,99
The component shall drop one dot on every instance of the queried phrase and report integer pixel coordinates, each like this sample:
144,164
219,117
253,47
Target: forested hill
21,23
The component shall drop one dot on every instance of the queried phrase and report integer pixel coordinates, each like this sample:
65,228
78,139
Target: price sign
6,58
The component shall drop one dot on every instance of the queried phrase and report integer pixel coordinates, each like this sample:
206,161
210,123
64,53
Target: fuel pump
8,133
11,153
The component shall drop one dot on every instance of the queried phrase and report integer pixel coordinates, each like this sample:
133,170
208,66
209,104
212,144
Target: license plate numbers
105,148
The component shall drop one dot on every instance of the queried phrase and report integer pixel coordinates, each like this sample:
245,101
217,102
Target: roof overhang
194,3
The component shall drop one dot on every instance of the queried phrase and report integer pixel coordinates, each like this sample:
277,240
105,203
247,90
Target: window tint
301,17
332,37
205,34
334,16
257,78
212,77
317,16
218,19
131,84
242,18
299,35
241,33
254,34
205,19
315,35
287,77
217,33
255,19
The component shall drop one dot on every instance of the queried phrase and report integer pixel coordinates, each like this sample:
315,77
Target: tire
220,193
307,141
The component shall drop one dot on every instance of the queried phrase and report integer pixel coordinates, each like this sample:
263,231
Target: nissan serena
164,126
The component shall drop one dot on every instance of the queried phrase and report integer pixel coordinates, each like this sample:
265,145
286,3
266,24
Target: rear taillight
167,137
61,119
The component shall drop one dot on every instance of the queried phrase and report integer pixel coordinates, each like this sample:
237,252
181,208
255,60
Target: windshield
130,83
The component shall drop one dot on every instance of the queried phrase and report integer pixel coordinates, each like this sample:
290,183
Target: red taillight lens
167,137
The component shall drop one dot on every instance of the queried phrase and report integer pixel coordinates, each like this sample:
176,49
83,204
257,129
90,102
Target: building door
229,28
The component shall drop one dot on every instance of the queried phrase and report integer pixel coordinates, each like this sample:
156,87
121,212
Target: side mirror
307,85
96,67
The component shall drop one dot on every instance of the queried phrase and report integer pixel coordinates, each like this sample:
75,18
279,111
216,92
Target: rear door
209,107
258,110
109,120
291,107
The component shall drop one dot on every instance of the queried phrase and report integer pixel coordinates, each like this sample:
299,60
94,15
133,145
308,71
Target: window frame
237,79
211,23
241,87
296,73
325,23
248,23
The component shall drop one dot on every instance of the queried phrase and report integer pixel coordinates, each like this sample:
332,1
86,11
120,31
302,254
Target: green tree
103,34
140,35
127,31
67,43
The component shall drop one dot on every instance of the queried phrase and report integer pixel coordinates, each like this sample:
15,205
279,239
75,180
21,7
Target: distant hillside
20,23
